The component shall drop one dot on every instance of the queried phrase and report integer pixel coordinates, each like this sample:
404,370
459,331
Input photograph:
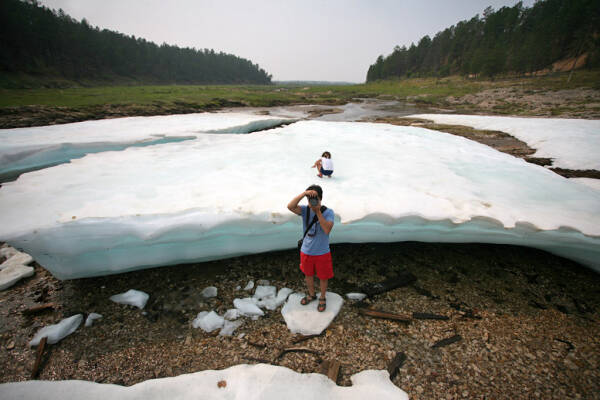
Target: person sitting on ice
315,256
324,165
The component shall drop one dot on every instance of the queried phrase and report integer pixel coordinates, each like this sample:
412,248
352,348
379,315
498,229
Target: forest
37,41
511,40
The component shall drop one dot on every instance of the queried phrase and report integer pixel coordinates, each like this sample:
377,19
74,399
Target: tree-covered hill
37,41
510,40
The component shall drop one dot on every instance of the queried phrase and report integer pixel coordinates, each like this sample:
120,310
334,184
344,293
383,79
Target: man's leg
323,284
310,283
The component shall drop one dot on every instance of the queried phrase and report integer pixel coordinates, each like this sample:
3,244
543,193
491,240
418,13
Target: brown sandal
308,299
322,304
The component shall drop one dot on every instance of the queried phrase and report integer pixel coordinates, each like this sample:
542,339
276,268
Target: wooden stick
384,315
38,357
302,338
38,308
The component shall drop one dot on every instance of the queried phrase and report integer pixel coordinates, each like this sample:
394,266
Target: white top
327,164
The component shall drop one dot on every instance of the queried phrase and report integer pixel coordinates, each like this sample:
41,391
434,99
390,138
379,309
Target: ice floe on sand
186,202
571,143
249,382
25,149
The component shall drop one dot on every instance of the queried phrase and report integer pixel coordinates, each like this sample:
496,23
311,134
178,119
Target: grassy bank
27,107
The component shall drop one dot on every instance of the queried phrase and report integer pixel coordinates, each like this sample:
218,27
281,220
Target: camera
313,201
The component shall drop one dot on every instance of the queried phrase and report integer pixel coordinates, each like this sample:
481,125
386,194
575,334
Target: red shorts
321,264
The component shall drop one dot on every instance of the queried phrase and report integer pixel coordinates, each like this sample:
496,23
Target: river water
359,110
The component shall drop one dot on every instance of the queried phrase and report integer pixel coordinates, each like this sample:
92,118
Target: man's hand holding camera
313,201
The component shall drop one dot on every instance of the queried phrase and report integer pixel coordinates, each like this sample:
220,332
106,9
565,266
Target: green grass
423,90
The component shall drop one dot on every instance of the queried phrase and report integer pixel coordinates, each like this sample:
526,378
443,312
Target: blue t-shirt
316,241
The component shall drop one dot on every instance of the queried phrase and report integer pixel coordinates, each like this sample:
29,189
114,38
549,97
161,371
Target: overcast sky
325,40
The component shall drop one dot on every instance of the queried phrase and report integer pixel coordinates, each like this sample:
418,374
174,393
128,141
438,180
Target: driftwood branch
396,364
447,341
38,308
38,357
331,369
385,315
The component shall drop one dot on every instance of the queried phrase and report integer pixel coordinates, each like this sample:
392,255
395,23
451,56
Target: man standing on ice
315,256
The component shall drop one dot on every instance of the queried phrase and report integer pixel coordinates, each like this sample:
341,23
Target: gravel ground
528,322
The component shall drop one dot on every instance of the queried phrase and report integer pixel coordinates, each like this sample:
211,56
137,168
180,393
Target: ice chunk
7,251
271,303
282,295
249,286
210,291
229,327
131,297
259,381
231,314
263,282
91,318
14,273
306,319
113,212
208,321
15,259
57,332
265,291
356,296
247,307
571,143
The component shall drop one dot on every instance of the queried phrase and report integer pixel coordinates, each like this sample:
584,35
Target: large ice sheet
571,143
26,149
250,382
223,195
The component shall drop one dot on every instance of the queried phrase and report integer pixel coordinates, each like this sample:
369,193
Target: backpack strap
311,223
